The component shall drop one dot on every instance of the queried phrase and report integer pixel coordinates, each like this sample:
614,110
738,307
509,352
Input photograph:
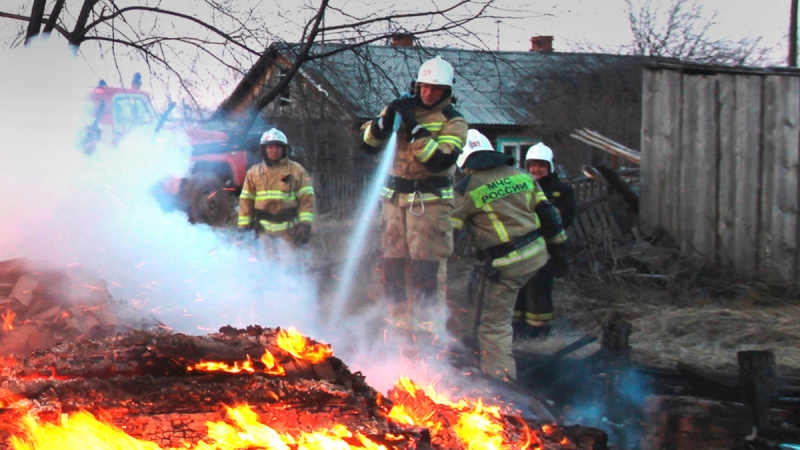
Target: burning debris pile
42,307
253,388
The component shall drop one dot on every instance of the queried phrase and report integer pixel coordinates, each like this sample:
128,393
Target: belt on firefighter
432,185
498,251
283,215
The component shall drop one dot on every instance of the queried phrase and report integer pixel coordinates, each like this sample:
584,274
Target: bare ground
687,311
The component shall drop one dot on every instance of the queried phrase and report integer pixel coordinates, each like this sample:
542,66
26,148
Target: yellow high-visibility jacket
416,160
502,203
281,191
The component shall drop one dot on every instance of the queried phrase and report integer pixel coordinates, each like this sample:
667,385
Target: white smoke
98,211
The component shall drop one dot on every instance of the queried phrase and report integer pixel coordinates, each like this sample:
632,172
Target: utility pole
793,35
498,32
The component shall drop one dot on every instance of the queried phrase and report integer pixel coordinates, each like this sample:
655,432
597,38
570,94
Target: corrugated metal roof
711,69
492,88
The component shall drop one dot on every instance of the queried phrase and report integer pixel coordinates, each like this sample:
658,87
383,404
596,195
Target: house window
516,147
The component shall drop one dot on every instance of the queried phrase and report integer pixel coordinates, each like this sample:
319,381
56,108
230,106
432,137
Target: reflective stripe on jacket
273,190
500,204
448,135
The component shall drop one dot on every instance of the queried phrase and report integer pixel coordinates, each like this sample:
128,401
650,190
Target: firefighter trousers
535,300
491,314
422,236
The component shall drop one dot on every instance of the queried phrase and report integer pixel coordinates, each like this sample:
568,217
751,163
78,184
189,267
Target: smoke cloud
65,208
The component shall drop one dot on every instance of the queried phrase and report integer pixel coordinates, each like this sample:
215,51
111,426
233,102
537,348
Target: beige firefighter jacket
448,135
498,205
281,195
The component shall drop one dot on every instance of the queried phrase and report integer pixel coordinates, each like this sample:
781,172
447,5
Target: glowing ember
8,320
83,430
298,346
476,427
144,400
211,366
7,398
271,366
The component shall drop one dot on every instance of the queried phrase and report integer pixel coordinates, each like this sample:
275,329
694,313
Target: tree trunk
51,21
793,35
79,32
35,24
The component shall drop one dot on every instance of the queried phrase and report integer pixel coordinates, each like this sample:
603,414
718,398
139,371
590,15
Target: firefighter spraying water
417,197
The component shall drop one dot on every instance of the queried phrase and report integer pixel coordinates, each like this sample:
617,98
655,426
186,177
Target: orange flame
7,398
478,426
212,366
271,366
298,346
8,319
83,430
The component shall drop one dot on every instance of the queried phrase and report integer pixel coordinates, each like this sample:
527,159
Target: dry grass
698,315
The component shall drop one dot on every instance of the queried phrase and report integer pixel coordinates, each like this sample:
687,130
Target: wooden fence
339,194
720,151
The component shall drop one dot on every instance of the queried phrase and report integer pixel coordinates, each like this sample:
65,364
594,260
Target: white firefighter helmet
541,152
476,142
436,71
273,136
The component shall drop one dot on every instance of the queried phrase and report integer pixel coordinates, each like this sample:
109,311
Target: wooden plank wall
720,157
777,252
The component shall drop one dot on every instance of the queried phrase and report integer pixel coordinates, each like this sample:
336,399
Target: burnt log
709,384
757,382
140,382
690,423
614,343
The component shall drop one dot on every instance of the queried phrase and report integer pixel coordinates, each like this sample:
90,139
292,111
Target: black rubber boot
424,274
394,280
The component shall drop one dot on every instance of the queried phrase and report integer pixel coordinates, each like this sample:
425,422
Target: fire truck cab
209,194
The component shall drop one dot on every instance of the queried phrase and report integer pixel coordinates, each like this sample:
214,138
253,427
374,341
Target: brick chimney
542,44
403,39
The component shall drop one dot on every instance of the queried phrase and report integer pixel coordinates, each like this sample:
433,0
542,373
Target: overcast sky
605,22
572,23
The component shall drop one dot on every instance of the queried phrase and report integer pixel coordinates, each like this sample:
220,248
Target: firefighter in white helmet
418,195
513,227
277,198
533,313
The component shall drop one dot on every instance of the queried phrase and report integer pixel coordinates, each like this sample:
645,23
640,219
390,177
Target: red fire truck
209,194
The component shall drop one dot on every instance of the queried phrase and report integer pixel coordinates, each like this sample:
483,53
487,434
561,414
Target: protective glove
405,106
302,233
382,125
559,264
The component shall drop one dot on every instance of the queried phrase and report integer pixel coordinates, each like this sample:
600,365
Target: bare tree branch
682,29
218,40
210,27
